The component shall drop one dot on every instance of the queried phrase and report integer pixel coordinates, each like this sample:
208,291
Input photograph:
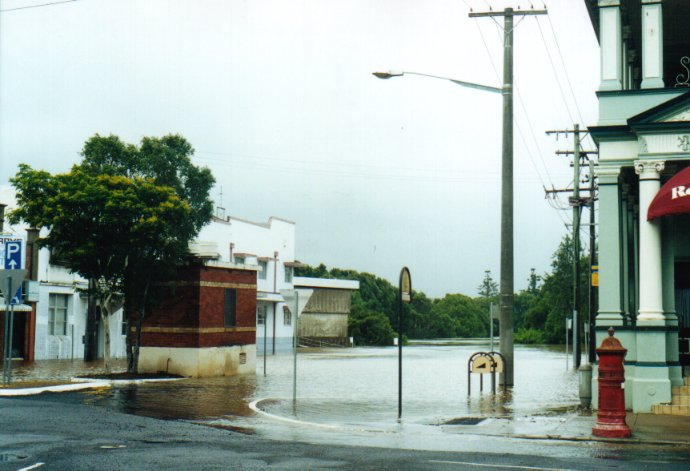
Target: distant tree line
539,313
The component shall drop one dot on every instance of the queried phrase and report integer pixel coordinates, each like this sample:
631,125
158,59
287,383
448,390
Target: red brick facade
194,316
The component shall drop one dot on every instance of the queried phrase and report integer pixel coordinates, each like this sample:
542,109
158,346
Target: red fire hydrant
611,413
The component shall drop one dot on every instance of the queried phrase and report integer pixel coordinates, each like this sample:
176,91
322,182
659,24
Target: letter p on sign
13,255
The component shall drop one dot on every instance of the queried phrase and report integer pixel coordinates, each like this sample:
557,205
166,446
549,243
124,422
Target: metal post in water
295,340
566,343
400,342
491,326
266,320
404,296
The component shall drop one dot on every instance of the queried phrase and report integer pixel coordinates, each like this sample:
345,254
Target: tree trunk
140,319
91,334
105,317
136,346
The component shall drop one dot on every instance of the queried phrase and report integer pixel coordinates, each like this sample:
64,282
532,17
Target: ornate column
651,383
626,240
652,44
611,40
650,294
609,250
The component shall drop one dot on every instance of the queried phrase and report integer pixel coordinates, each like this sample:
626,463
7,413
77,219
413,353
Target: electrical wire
27,7
567,76
555,73
529,122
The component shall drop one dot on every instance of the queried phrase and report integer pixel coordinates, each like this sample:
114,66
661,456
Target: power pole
592,263
507,274
577,345
576,202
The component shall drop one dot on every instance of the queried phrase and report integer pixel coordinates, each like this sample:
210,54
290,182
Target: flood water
355,387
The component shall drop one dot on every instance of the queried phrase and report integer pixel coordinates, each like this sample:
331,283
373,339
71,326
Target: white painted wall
257,241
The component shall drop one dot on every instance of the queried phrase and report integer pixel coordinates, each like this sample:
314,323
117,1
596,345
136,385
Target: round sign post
404,296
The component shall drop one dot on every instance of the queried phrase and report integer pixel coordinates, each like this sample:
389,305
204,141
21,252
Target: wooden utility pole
576,249
576,202
507,274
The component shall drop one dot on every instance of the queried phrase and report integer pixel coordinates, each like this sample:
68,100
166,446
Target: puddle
6,457
464,421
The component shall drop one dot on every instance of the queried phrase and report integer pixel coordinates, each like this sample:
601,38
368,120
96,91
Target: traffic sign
11,252
15,278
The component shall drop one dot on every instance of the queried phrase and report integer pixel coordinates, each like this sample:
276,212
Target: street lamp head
388,74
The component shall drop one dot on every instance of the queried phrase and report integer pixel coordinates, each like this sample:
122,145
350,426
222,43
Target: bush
529,336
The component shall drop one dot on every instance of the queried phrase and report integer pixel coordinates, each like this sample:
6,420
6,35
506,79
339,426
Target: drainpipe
275,290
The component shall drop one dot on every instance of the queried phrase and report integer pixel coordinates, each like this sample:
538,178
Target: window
57,314
230,308
261,311
263,265
124,324
287,316
288,274
239,260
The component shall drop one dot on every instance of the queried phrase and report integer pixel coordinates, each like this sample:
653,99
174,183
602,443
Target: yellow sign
595,275
485,363
498,359
481,365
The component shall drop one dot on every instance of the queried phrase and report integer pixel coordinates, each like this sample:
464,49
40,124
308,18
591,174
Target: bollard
611,413
585,385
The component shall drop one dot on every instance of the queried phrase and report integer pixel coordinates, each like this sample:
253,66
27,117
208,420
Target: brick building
208,325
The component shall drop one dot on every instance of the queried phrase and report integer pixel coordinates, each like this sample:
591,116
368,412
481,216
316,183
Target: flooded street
348,387
349,397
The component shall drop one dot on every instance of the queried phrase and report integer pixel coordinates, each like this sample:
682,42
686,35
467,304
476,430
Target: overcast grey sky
278,99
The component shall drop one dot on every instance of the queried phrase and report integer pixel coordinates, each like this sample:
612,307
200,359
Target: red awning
673,198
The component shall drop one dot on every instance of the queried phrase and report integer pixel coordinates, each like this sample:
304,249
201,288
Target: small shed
324,319
207,327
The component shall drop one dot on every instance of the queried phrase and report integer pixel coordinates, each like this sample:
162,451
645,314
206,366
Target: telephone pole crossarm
508,13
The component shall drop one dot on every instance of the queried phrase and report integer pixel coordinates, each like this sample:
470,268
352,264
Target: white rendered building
271,247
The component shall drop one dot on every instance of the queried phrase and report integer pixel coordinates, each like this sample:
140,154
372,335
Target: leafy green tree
166,161
489,288
555,300
143,249
97,223
465,314
369,327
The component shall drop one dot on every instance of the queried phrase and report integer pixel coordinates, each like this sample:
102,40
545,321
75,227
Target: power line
27,7
529,122
567,76
555,73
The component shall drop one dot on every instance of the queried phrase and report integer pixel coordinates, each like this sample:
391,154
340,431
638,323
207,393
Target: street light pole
507,265
507,275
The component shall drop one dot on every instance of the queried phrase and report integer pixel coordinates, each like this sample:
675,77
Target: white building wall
258,242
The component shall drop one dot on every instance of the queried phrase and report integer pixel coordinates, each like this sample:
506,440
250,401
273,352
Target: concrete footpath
648,429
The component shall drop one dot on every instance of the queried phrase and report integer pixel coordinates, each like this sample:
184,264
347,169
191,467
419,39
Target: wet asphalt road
64,435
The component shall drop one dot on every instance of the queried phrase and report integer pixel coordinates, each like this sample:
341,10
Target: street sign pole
5,355
12,274
404,296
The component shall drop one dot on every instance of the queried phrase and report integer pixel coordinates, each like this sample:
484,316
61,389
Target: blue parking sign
13,255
